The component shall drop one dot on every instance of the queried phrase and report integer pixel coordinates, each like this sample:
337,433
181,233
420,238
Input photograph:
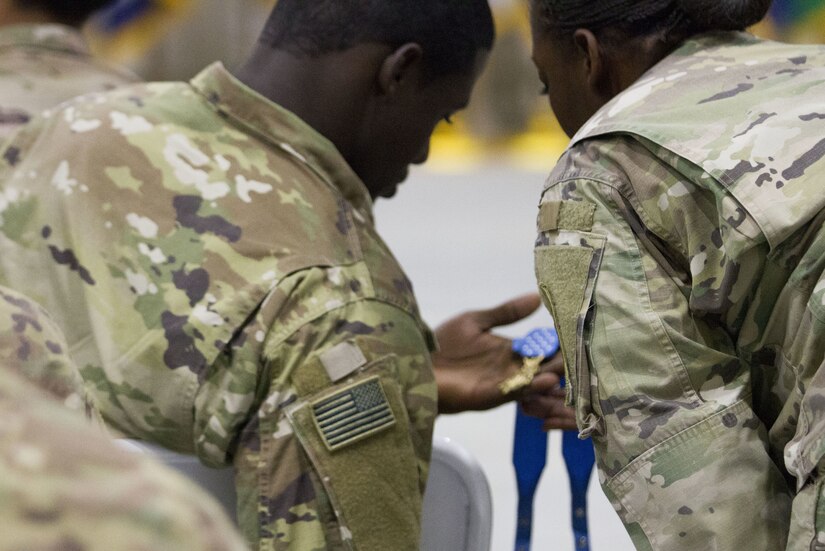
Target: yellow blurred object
453,149
812,30
766,29
139,36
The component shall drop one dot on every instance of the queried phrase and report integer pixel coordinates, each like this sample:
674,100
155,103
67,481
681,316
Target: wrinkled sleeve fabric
654,377
324,336
33,346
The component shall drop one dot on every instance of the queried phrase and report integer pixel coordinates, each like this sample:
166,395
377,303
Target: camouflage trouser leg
807,525
805,454
713,486
808,518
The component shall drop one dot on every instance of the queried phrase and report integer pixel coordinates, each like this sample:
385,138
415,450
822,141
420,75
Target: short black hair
450,32
69,12
671,18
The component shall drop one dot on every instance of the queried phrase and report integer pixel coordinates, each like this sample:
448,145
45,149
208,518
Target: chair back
220,483
458,508
457,512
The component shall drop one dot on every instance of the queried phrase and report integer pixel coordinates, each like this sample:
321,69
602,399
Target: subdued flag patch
353,414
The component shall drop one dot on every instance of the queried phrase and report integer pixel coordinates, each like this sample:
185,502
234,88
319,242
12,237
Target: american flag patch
355,413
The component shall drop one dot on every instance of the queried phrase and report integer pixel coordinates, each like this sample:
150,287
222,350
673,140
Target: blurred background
463,225
174,39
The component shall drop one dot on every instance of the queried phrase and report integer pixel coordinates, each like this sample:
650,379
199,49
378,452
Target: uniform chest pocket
567,275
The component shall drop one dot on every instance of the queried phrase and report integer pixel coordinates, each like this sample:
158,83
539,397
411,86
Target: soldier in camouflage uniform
44,59
681,251
63,485
209,248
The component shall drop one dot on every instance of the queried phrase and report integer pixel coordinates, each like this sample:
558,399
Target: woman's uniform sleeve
660,390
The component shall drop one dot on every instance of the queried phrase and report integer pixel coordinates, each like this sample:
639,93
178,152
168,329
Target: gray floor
465,240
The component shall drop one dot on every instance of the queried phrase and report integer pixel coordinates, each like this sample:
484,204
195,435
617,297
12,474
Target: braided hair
671,18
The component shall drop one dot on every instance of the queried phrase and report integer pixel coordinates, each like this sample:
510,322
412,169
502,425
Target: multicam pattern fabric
63,485
215,249
693,300
33,347
44,65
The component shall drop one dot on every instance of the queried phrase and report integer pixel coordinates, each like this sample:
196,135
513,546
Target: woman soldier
681,253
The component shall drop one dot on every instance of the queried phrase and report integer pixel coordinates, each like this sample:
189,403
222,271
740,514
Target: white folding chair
220,483
458,510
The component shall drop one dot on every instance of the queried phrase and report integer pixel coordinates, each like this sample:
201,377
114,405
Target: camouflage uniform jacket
33,347
681,251
63,485
216,268
44,65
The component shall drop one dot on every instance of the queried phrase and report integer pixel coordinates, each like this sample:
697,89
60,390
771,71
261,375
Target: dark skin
379,106
469,365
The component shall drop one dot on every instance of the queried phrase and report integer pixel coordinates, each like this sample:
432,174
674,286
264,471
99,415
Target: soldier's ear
594,63
400,69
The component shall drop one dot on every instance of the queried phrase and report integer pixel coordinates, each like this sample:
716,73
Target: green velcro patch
353,414
310,377
563,274
566,215
371,483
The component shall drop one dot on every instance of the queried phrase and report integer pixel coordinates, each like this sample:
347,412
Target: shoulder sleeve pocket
357,437
567,275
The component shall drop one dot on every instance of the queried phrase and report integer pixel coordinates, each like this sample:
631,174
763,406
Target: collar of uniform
283,129
706,44
51,37
716,39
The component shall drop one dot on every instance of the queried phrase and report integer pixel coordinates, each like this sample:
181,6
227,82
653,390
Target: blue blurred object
121,13
787,13
579,459
539,342
530,455
529,459
530,440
